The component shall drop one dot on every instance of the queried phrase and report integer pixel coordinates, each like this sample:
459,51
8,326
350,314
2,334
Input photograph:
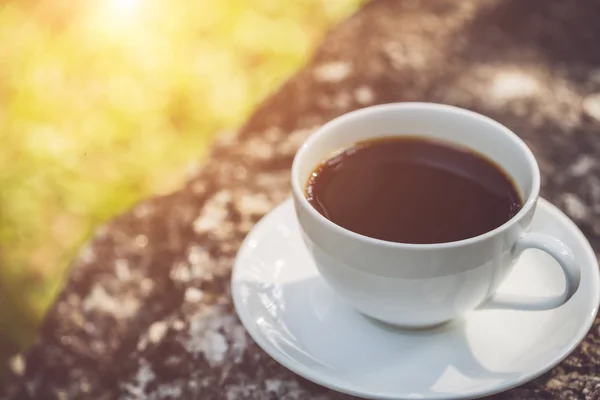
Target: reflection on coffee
413,190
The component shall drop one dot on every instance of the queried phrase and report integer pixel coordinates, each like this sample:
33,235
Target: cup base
406,327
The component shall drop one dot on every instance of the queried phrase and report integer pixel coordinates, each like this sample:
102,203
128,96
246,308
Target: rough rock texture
146,312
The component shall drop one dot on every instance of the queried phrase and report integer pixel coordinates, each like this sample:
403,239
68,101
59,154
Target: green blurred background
105,102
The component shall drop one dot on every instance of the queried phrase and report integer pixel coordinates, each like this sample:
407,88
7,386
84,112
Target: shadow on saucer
315,332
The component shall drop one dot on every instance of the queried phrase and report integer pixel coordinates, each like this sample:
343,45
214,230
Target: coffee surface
413,190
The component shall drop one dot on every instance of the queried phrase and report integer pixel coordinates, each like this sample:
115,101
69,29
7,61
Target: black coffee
413,190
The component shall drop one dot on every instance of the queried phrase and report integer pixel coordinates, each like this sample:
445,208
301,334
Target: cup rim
298,187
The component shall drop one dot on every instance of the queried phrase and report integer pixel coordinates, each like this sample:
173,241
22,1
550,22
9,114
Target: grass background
105,102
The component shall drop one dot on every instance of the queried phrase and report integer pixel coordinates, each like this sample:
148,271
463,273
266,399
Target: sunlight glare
125,5
118,19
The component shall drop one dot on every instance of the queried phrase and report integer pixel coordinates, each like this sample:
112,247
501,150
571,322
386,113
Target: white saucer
295,317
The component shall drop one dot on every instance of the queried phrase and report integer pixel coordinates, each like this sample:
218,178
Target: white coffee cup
421,285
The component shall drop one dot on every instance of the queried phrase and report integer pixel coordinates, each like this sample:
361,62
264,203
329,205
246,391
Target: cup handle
565,258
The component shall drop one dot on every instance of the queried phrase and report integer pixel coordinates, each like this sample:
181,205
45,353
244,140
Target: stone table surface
146,311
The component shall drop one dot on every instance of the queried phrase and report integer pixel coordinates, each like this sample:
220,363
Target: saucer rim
322,380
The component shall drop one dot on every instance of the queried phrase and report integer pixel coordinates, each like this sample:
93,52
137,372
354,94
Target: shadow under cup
415,285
